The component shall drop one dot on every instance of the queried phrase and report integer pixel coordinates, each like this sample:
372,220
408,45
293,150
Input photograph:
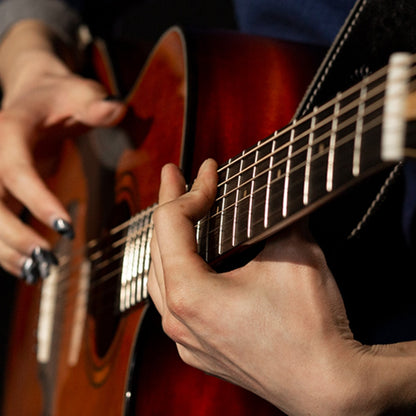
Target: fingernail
44,259
64,228
30,271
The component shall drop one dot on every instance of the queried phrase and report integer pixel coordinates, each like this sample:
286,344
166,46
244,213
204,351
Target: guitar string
95,242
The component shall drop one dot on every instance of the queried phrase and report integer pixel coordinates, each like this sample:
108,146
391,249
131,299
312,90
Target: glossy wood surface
225,91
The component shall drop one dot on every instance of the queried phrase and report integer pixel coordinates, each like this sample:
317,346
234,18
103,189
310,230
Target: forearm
393,370
378,381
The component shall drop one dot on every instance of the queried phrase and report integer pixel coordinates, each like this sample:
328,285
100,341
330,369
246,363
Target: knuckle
188,357
179,304
173,328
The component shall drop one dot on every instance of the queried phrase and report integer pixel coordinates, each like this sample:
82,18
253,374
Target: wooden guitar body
209,97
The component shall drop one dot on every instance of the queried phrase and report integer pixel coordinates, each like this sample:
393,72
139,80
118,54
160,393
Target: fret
331,151
309,158
237,204
261,186
228,204
251,197
268,186
372,120
287,173
277,175
356,163
242,212
211,227
298,165
318,151
349,122
223,207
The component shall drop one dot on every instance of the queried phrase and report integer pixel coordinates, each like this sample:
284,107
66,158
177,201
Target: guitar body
210,97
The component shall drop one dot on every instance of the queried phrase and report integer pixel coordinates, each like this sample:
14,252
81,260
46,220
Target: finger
101,112
89,103
19,176
18,235
11,260
172,184
174,227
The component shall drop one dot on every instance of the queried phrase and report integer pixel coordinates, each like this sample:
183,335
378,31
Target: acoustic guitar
87,340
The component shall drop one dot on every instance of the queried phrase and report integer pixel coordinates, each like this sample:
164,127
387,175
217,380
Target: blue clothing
307,21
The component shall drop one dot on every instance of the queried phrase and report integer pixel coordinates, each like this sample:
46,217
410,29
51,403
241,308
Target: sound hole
106,261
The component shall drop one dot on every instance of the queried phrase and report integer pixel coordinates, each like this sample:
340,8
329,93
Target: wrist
377,380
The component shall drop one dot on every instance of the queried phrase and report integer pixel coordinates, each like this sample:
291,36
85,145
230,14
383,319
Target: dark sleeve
56,14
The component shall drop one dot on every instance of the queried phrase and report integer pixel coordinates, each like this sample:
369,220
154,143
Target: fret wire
309,158
269,180
331,153
237,194
359,129
221,230
287,173
251,195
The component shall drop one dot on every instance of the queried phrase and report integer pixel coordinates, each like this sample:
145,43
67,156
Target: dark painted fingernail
112,97
44,259
30,271
64,228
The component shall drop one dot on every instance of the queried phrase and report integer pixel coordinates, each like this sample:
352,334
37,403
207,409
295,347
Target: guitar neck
297,169
292,172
